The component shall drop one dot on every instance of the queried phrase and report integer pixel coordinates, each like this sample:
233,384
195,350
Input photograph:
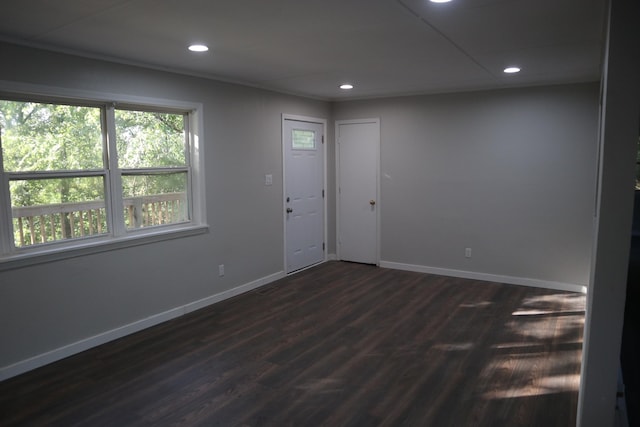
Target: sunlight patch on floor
570,302
531,312
480,304
543,356
546,385
454,346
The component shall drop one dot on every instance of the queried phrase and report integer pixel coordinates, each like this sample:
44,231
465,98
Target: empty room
380,212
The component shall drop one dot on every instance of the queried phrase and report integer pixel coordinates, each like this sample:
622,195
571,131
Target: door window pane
303,139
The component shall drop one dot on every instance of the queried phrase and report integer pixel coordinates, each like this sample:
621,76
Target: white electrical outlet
467,252
221,270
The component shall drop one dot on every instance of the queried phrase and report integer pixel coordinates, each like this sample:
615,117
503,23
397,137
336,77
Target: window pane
303,139
147,140
155,199
46,210
47,137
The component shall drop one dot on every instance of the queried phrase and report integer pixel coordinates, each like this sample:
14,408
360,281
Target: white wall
618,149
509,173
46,307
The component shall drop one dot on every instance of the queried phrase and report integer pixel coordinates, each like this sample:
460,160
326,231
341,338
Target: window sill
82,248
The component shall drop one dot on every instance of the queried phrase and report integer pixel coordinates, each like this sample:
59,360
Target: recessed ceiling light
346,86
198,48
439,1
512,70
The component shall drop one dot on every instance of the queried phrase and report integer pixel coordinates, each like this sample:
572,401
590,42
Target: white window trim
113,241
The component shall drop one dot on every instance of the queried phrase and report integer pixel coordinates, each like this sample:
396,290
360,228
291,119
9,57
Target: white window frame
118,236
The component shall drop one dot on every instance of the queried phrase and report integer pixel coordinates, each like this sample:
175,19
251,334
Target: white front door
358,143
303,193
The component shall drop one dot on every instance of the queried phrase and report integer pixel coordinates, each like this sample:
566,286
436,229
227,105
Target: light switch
268,179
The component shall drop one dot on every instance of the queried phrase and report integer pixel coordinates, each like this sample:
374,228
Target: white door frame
323,122
378,201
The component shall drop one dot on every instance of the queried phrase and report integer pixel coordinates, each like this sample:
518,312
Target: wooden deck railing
48,223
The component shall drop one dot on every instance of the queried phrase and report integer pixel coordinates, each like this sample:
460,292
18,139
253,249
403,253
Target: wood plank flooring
340,344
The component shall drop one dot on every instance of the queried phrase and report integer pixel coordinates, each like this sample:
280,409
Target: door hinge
323,246
323,193
323,139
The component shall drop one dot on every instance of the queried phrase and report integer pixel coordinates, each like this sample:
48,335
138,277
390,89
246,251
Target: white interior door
358,144
303,193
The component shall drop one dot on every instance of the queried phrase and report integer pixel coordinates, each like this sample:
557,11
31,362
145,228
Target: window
303,139
77,172
153,160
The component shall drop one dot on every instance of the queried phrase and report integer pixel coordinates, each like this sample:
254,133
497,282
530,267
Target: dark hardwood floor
340,344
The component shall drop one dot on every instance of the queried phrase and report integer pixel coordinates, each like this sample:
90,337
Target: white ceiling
309,47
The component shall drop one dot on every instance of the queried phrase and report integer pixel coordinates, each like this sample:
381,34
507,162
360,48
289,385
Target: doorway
304,183
358,201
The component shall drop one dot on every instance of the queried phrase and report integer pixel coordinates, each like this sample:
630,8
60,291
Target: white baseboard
523,281
102,338
197,305
332,257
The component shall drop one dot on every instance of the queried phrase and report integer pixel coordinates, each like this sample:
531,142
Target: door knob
372,202
289,210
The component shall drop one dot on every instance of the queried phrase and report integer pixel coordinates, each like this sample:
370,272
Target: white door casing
358,201
304,183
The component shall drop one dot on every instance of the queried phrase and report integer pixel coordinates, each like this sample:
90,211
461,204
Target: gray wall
51,305
509,173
